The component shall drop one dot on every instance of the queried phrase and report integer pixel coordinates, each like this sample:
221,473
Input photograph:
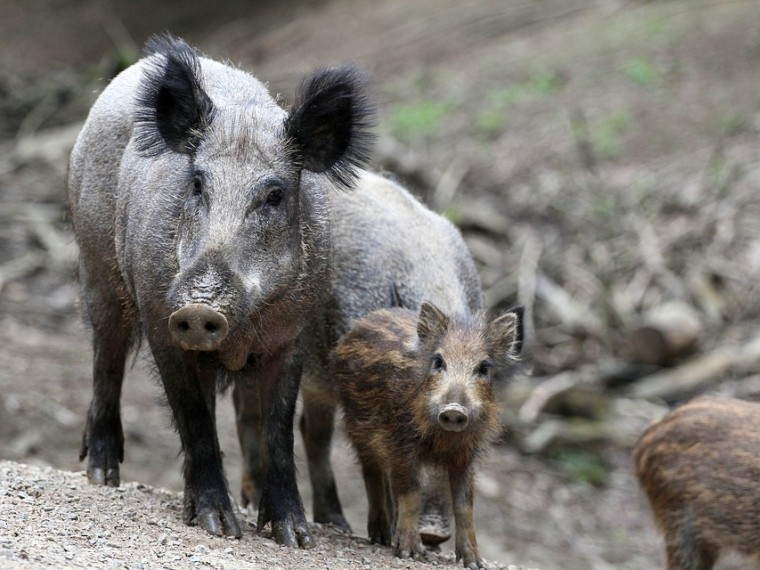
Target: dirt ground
611,144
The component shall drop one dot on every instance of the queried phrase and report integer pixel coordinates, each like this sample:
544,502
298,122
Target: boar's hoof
226,525
290,530
453,417
198,327
292,535
217,520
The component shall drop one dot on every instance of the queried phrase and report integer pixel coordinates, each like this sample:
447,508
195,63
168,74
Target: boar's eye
195,187
437,363
484,369
275,196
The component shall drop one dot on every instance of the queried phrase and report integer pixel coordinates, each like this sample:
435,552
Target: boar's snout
453,417
198,327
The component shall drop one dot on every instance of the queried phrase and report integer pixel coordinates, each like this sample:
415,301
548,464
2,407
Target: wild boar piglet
417,390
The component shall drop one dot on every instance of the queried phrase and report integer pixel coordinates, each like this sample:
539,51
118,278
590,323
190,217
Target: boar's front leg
191,390
280,501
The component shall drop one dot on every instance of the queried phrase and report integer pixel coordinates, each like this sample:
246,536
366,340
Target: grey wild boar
201,210
416,389
382,236
700,468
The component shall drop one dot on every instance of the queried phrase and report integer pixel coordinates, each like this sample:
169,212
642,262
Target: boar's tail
396,301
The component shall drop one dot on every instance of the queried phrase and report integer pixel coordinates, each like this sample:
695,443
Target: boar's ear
329,124
505,336
173,110
432,323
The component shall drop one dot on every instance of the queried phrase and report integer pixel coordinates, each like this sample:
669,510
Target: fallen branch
21,266
700,371
50,145
574,316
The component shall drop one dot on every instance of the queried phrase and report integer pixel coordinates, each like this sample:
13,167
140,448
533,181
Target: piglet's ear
505,336
173,110
432,323
330,124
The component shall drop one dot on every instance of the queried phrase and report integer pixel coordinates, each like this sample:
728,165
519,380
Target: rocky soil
53,518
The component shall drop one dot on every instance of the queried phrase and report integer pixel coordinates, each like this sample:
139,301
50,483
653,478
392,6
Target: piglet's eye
484,369
436,363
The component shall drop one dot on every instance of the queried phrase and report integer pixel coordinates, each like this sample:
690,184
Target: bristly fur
173,110
330,124
699,466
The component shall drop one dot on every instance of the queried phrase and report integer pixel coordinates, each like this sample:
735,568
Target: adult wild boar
201,209
383,238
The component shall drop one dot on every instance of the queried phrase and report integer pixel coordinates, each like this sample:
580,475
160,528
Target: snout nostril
198,327
454,418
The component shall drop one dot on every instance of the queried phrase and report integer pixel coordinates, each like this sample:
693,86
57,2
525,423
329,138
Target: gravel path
51,518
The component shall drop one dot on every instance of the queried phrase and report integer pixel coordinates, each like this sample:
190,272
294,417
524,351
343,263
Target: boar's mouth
234,357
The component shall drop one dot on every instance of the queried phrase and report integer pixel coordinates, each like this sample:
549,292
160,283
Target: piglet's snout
198,327
453,417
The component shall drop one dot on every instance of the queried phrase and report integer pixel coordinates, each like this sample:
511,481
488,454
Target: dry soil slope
52,518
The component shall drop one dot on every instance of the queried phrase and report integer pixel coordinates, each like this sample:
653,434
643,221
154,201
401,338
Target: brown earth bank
602,159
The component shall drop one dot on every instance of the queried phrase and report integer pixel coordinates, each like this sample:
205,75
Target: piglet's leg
435,527
378,517
462,497
408,498
684,548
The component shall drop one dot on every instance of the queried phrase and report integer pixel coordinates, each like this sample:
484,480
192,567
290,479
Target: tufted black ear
173,110
329,124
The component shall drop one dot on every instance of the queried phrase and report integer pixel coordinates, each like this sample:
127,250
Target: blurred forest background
602,159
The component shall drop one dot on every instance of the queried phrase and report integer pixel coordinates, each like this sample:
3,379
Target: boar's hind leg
280,502
245,396
317,423
191,391
103,439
